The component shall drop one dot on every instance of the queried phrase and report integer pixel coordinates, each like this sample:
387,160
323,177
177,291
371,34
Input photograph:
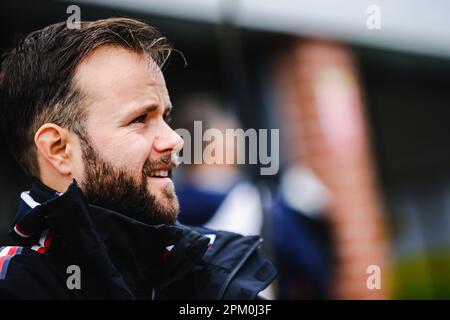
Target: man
84,111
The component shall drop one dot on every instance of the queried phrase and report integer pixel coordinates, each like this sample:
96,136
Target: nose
167,140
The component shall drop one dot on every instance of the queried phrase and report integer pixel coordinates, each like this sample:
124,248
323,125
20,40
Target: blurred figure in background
219,195
287,216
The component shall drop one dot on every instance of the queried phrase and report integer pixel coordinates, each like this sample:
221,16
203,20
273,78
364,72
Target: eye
140,119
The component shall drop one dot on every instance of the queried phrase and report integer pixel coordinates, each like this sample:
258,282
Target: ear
52,144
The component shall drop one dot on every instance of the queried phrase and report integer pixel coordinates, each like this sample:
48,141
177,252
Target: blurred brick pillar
324,129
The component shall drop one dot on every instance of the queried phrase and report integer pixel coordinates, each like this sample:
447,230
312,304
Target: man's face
126,160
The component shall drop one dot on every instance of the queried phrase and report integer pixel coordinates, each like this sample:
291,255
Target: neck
55,181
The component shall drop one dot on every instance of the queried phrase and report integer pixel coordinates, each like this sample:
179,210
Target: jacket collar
126,255
40,192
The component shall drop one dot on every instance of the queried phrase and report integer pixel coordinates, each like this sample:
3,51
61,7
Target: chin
166,199
171,205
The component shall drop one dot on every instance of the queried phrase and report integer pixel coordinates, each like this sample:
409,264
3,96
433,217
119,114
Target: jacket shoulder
25,274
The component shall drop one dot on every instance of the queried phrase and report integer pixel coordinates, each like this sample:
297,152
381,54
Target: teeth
160,173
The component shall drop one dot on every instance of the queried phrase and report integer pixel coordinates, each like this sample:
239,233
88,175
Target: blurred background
363,111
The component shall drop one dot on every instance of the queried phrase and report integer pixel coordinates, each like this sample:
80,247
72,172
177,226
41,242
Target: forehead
116,77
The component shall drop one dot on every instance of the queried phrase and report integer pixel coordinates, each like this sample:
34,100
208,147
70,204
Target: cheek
126,152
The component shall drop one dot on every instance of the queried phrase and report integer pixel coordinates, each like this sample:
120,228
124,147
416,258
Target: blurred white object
412,26
302,190
240,212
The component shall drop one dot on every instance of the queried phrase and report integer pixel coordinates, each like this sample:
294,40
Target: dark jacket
122,258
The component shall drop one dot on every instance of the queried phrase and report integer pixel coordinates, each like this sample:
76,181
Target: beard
116,189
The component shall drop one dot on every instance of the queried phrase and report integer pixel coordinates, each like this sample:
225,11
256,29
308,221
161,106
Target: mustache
165,161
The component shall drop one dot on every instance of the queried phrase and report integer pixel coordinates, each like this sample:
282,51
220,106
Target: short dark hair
36,77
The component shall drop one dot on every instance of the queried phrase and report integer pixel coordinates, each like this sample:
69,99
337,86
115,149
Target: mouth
161,172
